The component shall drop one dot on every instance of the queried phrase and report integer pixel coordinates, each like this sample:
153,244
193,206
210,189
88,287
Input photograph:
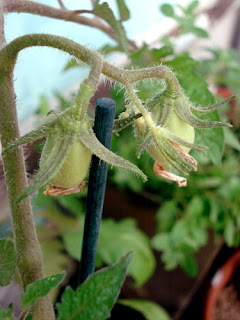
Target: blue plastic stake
103,127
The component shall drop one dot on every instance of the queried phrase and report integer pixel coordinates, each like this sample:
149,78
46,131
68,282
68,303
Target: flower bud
171,135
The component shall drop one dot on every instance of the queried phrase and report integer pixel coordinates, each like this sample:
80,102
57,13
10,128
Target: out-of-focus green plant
185,19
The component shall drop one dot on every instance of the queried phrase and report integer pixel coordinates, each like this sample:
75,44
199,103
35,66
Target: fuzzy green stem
10,52
29,256
8,56
137,103
88,87
40,9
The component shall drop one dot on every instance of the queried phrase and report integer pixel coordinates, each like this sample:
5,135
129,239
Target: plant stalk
29,256
11,51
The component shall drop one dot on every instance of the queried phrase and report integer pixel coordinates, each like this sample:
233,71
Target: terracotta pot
219,281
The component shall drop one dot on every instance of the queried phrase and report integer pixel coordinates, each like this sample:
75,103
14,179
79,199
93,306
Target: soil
228,304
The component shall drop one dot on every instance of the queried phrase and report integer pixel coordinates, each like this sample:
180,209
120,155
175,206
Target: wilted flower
172,136
67,152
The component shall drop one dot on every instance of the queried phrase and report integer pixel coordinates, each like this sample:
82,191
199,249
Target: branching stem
8,57
29,256
51,12
137,103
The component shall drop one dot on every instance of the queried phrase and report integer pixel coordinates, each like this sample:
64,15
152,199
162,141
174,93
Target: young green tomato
75,166
179,128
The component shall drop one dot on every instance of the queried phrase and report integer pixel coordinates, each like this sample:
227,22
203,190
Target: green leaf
6,314
44,106
137,57
115,238
104,11
166,216
192,6
167,9
229,231
94,299
72,203
182,63
108,48
123,10
189,265
183,238
7,261
163,52
231,139
40,289
119,237
150,310
53,250
73,63
199,32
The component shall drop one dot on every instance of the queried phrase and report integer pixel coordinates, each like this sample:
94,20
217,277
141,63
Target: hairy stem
137,103
88,87
62,14
29,256
9,54
32,7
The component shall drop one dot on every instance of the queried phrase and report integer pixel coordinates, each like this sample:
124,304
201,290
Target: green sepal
173,156
39,133
54,112
172,137
213,107
50,165
147,142
121,124
89,139
186,115
6,314
161,110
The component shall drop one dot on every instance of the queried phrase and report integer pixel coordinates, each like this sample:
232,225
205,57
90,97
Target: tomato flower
172,137
67,153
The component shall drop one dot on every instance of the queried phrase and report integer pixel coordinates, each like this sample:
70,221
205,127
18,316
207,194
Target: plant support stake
103,127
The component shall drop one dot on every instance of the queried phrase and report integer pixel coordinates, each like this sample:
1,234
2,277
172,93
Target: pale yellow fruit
75,167
179,128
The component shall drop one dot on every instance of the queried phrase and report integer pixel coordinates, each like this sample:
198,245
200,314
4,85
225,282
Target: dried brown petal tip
161,171
185,155
55,191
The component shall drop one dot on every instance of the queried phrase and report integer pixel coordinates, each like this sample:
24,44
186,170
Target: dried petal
185,155
55,191
161,171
